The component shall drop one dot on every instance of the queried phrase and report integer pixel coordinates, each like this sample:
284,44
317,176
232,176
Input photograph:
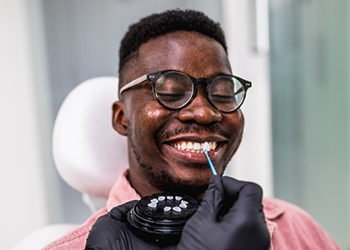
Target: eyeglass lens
174,90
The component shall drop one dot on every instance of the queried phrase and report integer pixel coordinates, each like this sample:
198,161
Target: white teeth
193,146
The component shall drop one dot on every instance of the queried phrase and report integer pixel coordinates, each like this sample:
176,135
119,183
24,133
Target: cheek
240,120
153,113
149,119
151,116
235,122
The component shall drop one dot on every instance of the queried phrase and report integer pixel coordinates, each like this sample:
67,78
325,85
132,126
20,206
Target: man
176,93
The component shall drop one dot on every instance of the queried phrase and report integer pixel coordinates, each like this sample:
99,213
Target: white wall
253,160
22,194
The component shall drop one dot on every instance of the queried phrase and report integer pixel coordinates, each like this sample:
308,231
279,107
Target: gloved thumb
213,199
119,212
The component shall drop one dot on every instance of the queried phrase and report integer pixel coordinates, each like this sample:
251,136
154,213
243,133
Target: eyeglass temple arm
239,90
133,83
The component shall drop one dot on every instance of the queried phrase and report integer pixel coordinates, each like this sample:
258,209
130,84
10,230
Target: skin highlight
156,166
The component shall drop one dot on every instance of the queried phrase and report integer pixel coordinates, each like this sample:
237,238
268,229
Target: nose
200,110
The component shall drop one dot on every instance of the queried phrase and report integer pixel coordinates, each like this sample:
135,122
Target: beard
166,182
162,178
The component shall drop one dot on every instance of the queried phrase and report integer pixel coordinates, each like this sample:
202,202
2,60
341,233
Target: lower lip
193,156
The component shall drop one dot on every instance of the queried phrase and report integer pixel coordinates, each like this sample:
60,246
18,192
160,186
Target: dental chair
88,153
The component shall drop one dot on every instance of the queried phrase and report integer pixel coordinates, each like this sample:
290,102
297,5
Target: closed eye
170,97
223,98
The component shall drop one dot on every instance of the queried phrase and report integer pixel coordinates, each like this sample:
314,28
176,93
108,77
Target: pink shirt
289,226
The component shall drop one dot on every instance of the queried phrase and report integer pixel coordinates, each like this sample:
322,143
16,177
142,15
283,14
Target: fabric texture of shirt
289,226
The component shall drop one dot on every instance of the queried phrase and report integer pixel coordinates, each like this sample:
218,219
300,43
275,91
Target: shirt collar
121,192
272,210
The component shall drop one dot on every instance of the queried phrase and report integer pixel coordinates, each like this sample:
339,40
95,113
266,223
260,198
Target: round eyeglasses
175,89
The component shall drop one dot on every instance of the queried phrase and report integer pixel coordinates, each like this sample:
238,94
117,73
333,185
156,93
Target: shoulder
76,238
275,208
292,227
287,214
279,210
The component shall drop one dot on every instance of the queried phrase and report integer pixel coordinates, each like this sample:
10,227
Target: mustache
192,128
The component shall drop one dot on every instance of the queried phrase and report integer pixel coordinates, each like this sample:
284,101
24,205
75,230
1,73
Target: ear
119,118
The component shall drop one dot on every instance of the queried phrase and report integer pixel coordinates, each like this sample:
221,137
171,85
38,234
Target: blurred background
297,137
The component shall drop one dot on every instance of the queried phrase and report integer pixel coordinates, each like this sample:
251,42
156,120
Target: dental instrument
206,148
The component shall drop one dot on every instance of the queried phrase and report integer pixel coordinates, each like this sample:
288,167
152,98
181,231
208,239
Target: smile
192,146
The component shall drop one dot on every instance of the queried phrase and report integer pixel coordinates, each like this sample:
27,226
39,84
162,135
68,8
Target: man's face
156,164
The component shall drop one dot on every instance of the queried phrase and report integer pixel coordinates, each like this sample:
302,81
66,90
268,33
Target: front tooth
194,146
197,146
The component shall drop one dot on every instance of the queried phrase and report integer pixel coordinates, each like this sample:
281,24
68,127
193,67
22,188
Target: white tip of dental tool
206,147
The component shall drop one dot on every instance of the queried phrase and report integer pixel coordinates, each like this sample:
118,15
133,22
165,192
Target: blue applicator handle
210,163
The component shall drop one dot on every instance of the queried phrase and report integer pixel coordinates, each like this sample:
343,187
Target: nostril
200,112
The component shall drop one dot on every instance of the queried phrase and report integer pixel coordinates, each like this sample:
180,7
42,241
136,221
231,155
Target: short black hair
163,23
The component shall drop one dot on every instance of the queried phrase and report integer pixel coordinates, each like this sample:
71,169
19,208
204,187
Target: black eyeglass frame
152,77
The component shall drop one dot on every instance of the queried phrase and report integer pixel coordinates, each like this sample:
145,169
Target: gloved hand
229,217
111,232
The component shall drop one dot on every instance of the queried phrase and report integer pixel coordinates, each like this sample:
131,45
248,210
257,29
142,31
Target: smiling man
173,121
176,92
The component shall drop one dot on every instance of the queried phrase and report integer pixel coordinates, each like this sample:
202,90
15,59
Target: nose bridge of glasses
204,86
200,109
197,81
200,97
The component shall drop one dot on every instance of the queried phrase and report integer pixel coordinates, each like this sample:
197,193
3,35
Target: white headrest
89,154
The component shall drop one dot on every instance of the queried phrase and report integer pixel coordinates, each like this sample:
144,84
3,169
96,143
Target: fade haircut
159,24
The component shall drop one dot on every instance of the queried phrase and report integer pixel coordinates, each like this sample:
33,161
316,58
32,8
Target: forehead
191,52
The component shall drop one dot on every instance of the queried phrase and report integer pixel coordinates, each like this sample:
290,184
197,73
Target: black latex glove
111,232
229,217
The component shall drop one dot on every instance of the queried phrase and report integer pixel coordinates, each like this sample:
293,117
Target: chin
194,183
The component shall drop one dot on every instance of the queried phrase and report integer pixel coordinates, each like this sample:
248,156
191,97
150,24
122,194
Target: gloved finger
248,197
119,212
235,189
213,199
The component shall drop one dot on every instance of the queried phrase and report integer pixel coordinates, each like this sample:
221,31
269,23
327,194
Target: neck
140,184
144,188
